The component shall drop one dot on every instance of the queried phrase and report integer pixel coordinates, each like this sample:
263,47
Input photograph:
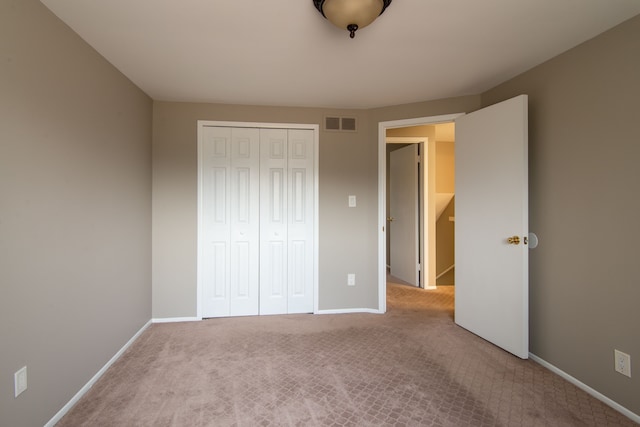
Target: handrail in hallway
445,272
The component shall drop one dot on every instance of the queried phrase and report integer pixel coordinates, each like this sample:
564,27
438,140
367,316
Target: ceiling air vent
340,124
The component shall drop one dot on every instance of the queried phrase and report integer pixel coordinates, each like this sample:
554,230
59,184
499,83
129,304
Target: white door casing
428,160
403,215
491,296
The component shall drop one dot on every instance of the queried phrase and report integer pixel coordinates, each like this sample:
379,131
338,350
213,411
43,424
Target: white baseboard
601,397
62,412
175,319
349,310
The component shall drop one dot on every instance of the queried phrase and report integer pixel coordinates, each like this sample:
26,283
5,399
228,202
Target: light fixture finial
352,30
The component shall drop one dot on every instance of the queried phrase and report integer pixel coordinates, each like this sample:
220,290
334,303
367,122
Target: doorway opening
491,221
430,209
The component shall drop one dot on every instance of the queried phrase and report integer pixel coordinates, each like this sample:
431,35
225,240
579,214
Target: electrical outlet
351,279
622,363
20,381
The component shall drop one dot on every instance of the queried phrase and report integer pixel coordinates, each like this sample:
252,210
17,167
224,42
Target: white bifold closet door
286,221
231,221
258,221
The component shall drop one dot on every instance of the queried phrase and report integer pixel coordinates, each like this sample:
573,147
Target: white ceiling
284,53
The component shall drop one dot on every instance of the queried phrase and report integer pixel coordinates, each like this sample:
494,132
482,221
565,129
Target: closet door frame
316,148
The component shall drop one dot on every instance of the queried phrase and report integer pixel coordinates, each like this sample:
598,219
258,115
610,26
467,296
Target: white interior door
403,215
492,286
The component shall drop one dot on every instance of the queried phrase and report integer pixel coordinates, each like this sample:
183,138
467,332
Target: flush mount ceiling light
351,14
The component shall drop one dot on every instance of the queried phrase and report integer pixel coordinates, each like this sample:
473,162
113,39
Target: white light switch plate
351,279
352,201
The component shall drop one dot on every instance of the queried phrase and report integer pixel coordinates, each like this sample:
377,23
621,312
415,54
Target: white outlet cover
622,363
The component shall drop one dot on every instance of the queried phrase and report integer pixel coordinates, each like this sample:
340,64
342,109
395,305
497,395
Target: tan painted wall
347,166
75,206
428,131
75,211
445,167
584,180
445,248
445,236
423,109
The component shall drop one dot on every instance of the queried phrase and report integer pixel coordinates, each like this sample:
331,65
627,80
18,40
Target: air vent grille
340,124
348,123
332,123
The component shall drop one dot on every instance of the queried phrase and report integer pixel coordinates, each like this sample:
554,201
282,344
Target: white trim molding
349,311
175,319
582,386
62,412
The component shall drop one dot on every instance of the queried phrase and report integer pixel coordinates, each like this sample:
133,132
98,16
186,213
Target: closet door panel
216,224
245,222
300,245
273,221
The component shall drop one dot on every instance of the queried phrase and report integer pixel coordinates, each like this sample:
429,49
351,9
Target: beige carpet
410,367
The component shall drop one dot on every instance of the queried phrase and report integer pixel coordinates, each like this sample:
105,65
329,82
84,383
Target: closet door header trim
203,123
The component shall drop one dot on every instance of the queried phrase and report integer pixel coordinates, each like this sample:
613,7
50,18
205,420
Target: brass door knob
513,240
390,218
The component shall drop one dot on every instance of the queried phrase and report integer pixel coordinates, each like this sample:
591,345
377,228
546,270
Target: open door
403,215
491,229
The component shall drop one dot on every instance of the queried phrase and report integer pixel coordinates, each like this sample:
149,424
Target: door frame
382,193
316,151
